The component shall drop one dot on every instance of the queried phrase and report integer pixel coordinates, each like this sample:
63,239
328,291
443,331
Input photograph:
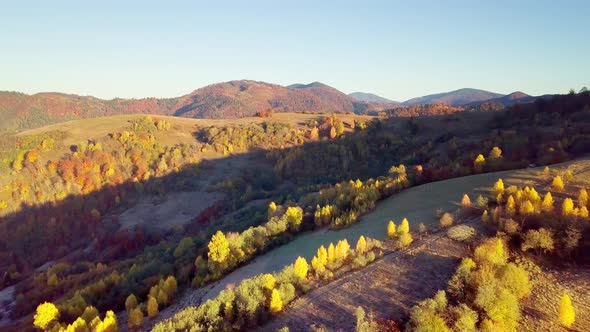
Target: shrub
541,240
461,232
567,315
446,220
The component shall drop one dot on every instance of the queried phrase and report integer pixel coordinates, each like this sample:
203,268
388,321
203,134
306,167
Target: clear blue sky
397,49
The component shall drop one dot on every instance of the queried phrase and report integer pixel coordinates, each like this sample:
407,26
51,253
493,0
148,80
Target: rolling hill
371,98
517,97
232,99
454,98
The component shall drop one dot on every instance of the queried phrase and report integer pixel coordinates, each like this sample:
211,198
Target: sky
396,49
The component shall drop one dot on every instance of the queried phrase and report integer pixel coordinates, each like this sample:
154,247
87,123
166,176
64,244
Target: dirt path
388,288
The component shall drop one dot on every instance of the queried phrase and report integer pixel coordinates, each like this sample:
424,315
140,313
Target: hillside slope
232,99
371,98
454,98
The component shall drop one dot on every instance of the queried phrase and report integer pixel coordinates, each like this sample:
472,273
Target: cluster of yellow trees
160,295
47,318
401,235
251,302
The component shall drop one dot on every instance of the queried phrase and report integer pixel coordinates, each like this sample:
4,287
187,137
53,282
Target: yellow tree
361,245
332,133
276,304
331,253
567,314
404,227
583,212
272,208
465,201
342,249
269,281
498,187
485,216
130,302
582,198
391,229
46,314
547,205
526,208
567,207
314,134
218,247
557,184
152,307
479,163
301,267
135,318
108,324
322,255
510,206
495,153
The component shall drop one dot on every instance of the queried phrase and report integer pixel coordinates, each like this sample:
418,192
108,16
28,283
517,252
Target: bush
461,232
446,220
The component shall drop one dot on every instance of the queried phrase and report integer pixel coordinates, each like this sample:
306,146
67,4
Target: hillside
507,100
371,98
454,98
233,99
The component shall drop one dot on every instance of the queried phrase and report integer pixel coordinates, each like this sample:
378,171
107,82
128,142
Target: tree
526,208
301,267
218,247
485,218
294,217
342,249
498,187
491,251
547,205
557,183
546,173
314,134
446,220
170,286
89,314
404,227
183,246
567,207
331,253
362,323
46,314
135,318
130,302
510,206
567,314
495,153
276,304
272,208
540,239
582,198
515,279
332,132
391,229
361,245
465,201
499,304
152,307
479,163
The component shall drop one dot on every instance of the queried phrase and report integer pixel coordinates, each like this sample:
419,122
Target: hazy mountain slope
508,100
454,98
371,98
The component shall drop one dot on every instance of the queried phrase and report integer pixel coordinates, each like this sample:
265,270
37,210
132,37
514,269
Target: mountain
517,97
371,98
223,100
454,98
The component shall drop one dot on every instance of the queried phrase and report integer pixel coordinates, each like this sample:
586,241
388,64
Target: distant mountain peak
371,98
454,98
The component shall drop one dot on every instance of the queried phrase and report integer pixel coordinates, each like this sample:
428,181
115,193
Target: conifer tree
582,198
557,183
510,206
276,304
135,318
485,216
567,207
130,302
404,227
331,253
547,205
152,307
301,267
361,245
479,163
567,314
465,201
391,229
342,249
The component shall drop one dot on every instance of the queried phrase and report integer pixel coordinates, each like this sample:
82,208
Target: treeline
255,300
